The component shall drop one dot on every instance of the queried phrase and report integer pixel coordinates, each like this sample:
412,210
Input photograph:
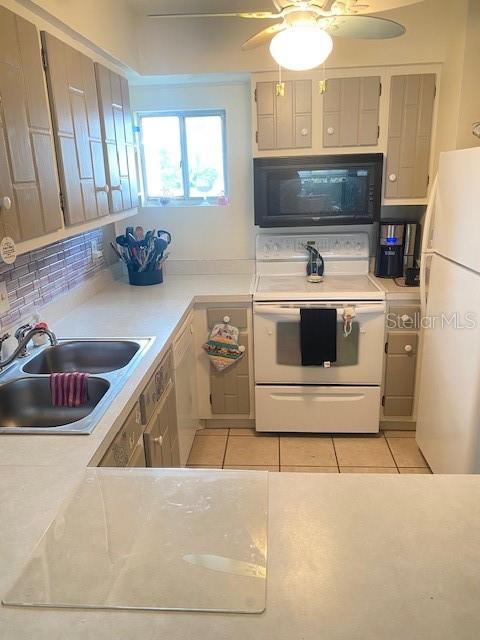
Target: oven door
277,345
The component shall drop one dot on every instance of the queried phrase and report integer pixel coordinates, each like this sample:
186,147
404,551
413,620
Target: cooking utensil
119,254
162,242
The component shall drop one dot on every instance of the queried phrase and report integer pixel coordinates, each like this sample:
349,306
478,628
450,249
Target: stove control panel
331,246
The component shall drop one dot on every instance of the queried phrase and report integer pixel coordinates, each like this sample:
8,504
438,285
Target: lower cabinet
149,436
401,362
159,414
230,389
124,448
160,436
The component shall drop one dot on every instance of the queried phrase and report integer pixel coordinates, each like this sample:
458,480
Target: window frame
182,114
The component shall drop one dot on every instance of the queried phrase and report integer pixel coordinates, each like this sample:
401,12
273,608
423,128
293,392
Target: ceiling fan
300,38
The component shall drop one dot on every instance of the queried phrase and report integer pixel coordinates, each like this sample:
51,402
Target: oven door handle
273,310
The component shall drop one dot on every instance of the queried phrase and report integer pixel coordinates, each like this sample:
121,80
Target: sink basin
26,402
86,356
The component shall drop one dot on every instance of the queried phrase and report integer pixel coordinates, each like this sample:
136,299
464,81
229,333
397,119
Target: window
183,157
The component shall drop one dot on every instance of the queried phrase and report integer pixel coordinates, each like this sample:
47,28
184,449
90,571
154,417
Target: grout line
335,452
279,455
225,451
391,453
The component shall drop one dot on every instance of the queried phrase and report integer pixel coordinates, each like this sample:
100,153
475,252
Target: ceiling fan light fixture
301,47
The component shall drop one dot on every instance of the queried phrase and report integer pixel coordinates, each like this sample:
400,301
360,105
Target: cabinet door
73,98
230,389
153,439
409,135
29,195
160,433
284,121
350,112
400,373
265,98
173,429
117,133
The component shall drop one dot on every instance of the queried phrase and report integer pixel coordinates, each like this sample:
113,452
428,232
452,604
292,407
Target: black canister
145,278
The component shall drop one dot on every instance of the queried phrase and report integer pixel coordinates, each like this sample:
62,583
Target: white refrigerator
448,417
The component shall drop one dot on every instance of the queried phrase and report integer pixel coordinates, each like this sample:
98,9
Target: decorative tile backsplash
42,275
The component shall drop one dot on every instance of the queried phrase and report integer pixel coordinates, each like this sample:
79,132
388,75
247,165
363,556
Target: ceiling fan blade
359,26
264,36
258,15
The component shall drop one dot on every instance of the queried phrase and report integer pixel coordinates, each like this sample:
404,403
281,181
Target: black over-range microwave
318,190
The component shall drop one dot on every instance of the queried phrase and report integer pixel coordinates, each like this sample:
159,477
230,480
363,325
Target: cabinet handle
330,131
158,440
117,187
106,189
304,132
138,417
392,177
408,348
6,203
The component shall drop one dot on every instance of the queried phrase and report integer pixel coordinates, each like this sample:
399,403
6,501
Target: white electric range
339,397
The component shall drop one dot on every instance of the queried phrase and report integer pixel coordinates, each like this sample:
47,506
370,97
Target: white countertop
350,556
357,557
397,292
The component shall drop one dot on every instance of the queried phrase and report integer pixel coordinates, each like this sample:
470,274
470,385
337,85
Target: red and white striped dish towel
68,389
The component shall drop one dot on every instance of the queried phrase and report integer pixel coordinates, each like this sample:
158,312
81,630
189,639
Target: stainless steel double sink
25,400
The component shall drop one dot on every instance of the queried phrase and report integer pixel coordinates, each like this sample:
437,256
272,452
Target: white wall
208,232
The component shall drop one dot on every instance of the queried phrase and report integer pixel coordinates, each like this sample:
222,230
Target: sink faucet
20,334
24,334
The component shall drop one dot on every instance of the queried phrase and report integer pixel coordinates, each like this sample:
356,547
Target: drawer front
155,389
122,447
403,318
402,343
313,409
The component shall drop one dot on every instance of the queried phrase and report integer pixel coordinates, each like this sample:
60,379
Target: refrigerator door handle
426,257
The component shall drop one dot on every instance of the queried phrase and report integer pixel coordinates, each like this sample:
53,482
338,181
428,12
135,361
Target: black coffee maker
397,249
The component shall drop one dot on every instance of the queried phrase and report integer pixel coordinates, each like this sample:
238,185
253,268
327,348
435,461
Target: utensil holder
145,278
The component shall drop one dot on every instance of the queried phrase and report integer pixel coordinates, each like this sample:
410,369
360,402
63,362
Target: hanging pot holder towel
222,346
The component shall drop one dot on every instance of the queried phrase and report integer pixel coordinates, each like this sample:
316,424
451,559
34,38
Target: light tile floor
387,452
